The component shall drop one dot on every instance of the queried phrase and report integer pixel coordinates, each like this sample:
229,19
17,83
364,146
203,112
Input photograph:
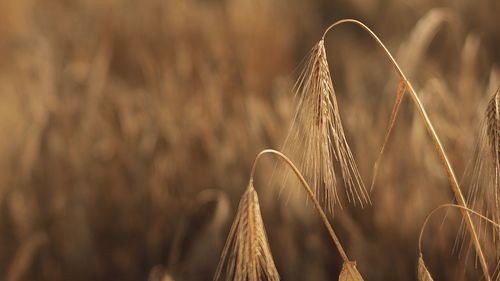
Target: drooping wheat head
316,137
246,255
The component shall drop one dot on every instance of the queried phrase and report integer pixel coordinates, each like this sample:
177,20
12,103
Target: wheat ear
493,132
316,139
246,254
435,139
463,209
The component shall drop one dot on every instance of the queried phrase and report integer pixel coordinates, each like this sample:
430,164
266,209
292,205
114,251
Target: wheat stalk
422,269
455,187
316,136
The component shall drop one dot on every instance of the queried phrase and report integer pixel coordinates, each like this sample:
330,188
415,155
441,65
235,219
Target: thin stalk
462,208
309,191
451,206
455,187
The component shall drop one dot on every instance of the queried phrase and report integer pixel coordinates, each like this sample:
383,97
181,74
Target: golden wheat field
185,140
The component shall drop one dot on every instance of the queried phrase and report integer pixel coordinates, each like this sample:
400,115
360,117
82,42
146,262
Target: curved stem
455,187
309,191
374,36
465,209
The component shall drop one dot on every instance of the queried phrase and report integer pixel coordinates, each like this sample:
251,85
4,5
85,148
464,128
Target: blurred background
128,129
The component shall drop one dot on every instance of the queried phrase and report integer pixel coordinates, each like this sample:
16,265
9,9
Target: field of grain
128,131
